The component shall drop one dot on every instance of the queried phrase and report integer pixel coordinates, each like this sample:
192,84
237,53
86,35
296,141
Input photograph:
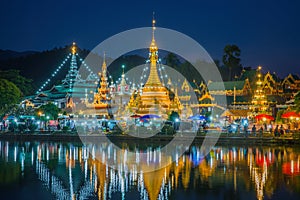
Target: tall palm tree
231,60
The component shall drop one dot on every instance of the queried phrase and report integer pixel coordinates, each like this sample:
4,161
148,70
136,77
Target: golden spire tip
153,25
73,48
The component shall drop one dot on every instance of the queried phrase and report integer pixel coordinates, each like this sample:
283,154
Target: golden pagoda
154,98
259,100
102,97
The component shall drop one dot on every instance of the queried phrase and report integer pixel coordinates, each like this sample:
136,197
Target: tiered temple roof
72,86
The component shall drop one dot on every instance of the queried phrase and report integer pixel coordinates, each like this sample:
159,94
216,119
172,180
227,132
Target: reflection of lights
15,154
32,156
234,155
93,153
47,154
130,176
211,163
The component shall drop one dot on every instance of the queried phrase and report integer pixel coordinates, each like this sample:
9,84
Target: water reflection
70,171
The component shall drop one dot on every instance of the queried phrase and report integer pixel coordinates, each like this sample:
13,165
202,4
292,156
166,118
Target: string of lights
163,73
85,65
73,70
144,73
161,69
56,71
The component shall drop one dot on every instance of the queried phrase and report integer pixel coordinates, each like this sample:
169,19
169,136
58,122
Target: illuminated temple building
259,100
154,97
102,97
251,93
73,86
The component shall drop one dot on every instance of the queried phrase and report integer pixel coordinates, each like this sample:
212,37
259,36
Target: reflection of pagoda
155,181
154,98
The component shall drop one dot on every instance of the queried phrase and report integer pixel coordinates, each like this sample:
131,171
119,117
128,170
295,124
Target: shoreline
163,139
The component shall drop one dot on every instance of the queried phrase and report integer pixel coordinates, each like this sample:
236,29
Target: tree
183,67
20,110
172,60
9,95
174,116
50,110
231,60
24,84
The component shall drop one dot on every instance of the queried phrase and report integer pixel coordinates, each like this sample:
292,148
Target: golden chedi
154,98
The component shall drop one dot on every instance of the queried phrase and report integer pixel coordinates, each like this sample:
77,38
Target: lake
61,170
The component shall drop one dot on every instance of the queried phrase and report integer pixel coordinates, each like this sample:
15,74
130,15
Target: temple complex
92,94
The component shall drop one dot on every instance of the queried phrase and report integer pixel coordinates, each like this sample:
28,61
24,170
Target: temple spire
153,79
73,73
74,48
153,26
104,64
123,81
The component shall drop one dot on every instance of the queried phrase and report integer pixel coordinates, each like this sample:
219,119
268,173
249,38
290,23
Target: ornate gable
185,86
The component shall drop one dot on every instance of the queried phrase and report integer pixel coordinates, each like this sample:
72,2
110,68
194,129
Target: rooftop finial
104,63
153,25
259,67
73,48
123,67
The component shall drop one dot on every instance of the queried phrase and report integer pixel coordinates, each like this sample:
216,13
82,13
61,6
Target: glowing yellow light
73,48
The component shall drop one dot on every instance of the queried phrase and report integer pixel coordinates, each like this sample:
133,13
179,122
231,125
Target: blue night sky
267,32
